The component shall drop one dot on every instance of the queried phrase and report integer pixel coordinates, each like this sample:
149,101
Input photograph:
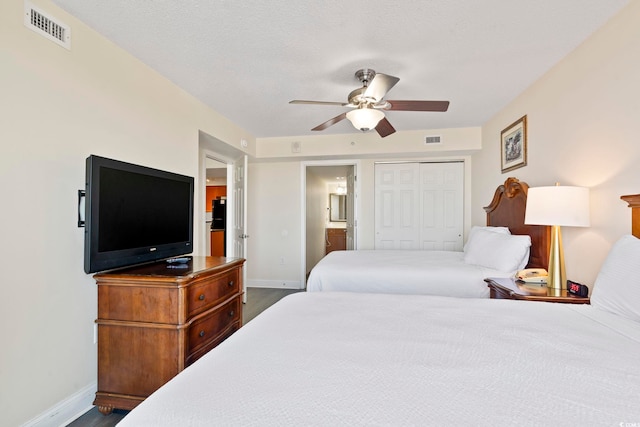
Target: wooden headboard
507,210
634,204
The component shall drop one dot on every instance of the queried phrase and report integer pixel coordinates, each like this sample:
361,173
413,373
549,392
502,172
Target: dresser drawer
212,291
201,351
211,327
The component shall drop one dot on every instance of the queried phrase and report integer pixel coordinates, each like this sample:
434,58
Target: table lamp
557,206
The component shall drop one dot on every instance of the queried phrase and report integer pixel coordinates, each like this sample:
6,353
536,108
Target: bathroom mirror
337,207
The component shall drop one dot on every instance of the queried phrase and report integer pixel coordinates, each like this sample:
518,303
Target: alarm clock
577,289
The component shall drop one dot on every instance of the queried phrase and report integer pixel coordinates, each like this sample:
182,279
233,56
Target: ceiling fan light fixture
365,119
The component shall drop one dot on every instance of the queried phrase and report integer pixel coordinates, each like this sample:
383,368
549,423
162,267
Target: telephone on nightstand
533,275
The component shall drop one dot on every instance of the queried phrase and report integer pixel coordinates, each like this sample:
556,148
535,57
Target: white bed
351,359
402,272
510,246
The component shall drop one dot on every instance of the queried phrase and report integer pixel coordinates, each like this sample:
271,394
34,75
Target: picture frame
513,145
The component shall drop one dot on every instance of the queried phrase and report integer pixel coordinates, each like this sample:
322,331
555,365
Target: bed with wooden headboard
634,203
447,273
370,359
507,209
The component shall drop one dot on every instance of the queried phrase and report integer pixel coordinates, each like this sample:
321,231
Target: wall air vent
44,24
432,140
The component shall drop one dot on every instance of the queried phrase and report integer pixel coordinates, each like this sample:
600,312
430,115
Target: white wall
274,225
582,118
58,107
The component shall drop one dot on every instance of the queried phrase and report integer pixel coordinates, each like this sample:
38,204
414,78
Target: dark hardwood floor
258,300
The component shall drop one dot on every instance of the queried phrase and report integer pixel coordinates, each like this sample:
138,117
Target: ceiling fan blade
384,128
331,122
299,101
418,105
379,86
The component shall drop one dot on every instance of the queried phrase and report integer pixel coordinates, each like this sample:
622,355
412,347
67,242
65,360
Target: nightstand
507,288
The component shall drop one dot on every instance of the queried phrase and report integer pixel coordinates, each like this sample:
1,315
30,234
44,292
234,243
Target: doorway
330,209
215,207
236,162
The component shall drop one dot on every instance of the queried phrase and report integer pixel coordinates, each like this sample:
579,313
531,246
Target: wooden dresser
155,320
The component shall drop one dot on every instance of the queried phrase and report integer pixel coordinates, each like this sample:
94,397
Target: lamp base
557,275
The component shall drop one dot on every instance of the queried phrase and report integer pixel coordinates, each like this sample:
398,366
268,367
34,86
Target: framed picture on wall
513,145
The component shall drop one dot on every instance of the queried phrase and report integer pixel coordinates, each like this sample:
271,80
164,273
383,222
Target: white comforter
349,359
401,272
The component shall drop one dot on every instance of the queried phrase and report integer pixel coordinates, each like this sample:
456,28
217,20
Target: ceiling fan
368,104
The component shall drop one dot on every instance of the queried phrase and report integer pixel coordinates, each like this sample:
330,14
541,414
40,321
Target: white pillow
617,287
501,230
504,252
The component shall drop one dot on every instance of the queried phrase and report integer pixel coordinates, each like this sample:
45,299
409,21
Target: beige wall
582,119
57,107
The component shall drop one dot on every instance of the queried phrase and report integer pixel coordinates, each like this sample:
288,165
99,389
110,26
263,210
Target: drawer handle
230,284
201,297
231,313
201,334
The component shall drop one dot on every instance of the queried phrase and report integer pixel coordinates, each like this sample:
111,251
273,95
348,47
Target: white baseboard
66,411
276,284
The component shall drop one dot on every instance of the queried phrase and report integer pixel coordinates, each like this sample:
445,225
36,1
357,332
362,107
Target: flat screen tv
135,214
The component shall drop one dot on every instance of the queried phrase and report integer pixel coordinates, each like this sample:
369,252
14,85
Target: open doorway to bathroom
330,210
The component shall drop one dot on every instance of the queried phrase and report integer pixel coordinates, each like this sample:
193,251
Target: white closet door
419,205
442,208
397,199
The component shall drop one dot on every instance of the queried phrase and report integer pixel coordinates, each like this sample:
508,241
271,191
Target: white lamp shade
558,205
365,118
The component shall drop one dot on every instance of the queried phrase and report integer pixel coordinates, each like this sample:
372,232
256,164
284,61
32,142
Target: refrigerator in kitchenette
218,226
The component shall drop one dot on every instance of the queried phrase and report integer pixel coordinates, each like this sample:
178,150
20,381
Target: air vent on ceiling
44,24
432,140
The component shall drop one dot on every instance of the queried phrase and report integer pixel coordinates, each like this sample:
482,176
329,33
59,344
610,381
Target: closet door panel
396,205
442,215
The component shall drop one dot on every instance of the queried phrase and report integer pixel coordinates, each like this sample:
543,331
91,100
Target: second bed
498,250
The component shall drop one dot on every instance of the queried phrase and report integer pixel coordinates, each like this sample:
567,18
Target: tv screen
135,214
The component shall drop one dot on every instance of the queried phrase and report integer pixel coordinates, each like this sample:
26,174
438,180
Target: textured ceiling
247,59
